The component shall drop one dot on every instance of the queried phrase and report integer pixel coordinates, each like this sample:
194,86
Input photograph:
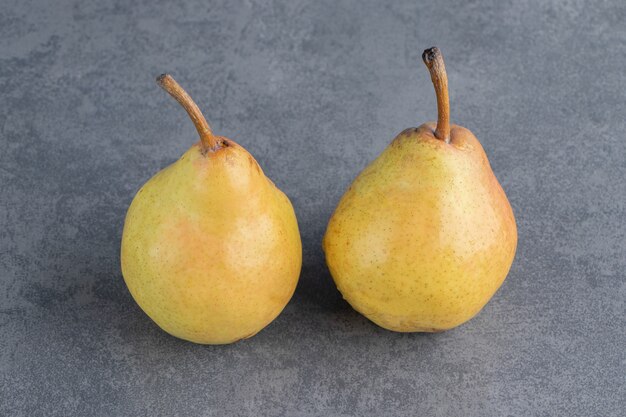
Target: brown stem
169,84
434,61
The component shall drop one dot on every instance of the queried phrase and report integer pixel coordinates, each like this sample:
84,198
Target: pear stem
169,84
433,59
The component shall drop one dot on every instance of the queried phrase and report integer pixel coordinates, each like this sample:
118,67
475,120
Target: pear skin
425,235
211,249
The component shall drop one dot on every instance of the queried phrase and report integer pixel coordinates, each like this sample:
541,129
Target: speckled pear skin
211,249
425,234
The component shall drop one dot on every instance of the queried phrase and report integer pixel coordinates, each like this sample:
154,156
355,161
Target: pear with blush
211,249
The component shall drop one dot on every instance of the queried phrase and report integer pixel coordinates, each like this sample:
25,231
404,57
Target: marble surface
315,90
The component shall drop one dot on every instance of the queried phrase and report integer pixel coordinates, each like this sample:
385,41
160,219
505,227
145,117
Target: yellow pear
211,249
425,235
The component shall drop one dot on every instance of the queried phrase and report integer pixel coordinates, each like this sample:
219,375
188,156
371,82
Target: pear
425,235
211,249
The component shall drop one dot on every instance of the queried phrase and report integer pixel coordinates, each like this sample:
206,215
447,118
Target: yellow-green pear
425,235
211,249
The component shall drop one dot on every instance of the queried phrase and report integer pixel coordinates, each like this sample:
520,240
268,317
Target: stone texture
315,90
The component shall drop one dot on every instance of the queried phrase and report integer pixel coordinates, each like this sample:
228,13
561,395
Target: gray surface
314,91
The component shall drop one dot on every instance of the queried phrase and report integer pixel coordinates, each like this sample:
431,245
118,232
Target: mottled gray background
315,90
